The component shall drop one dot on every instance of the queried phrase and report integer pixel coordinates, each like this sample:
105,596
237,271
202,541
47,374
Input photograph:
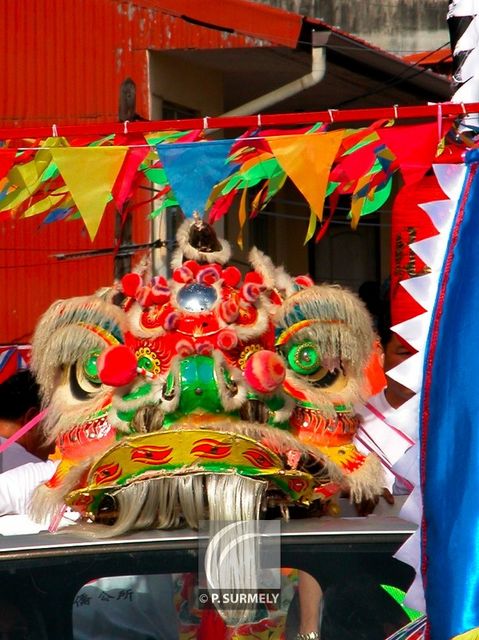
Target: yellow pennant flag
28,177
311,226
45,204
89,174
307,160
357,202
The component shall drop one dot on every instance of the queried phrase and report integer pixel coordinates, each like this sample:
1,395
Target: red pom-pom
264,371
209,275
182,274
159,281
251,291
229,310
204,348
130,283
253,276
170,322
117,366
192,266
304,281
160,290
145,297
184,348
231,276
227,339
159,297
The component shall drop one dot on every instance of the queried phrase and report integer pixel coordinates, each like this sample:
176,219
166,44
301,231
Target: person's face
32,440
396,352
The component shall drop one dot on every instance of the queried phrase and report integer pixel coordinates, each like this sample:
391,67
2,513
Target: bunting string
60,178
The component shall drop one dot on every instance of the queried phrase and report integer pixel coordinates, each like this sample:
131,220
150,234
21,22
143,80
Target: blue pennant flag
57,214
193,169
450,429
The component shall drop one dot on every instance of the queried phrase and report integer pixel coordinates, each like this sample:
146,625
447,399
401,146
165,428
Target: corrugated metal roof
64,61
54,63
240,17
432,58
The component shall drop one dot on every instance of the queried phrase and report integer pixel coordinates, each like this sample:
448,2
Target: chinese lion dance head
212,394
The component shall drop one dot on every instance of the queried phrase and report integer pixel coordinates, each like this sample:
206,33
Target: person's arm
310,596
17,485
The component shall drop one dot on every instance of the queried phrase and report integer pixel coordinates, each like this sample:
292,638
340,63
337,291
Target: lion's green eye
84,379
90,367
148,360
304,358
146,363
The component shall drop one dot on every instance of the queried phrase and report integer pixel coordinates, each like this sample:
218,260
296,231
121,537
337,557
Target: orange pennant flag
307,160
89,174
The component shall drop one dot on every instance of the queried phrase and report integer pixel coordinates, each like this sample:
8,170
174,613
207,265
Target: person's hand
366,507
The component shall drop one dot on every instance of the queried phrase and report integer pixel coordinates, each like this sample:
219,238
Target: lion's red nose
117,366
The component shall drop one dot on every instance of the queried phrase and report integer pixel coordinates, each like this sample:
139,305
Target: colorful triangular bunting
307,160
193,169
90,173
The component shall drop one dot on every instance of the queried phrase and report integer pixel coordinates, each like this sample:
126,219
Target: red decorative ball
227,340
208,275
145,297
229,310
130,283
231,276
204,348
117,366
304,281
184,348
192,266
183,274
160,290
251,291
264,371
253,276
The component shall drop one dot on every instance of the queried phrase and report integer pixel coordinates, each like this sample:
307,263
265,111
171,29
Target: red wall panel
31,278
64,61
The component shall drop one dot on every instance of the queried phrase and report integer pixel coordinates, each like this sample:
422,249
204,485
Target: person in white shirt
17,485
19,403
24,464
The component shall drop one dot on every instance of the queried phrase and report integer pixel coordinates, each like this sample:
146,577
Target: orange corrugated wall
63,62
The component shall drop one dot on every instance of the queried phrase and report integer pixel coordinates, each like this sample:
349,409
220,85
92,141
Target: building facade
402,26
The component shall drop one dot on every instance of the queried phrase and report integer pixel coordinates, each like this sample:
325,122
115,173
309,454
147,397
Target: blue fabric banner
450,429
193,169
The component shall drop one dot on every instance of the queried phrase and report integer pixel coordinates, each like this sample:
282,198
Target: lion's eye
84,379
148,360
304,358
90,367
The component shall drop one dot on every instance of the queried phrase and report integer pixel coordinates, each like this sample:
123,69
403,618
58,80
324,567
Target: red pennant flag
7,158
414,146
